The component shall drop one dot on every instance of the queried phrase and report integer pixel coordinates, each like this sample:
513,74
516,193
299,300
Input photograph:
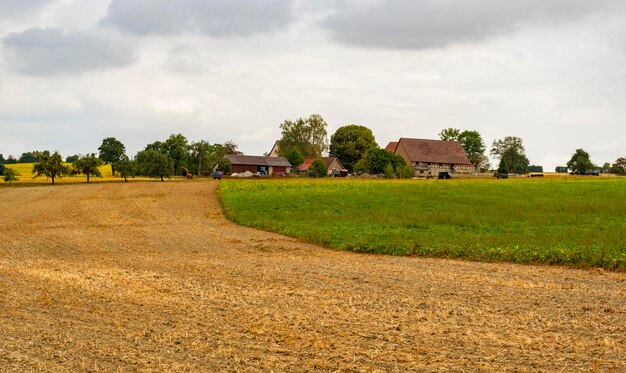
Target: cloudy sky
73,72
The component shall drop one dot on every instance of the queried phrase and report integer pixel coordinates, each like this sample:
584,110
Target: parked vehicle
444,175
500,175
217,174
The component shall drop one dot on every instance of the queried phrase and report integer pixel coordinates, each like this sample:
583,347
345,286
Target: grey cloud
15,7
418,24
46,51
218,18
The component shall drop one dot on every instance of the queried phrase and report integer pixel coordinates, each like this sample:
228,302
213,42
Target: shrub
318,168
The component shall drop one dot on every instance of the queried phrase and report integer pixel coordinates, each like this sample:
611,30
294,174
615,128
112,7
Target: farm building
274,151
333,164
429,157
254,164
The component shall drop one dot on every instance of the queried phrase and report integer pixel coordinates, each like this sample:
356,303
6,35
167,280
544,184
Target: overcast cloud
218,18
73,72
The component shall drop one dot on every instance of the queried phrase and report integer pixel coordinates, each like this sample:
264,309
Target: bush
318,168
388,171
404,171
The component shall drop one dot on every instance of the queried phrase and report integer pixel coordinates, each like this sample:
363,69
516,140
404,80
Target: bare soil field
150,276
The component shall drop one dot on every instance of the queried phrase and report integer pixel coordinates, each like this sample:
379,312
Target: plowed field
150,276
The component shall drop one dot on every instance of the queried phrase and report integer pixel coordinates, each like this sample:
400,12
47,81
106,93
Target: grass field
578,222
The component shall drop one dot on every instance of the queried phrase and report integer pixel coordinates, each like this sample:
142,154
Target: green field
578,222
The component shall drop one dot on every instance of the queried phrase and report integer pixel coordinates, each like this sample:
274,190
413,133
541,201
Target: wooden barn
429,157
269,165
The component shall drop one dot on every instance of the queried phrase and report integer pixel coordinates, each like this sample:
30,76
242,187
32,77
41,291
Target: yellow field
26,175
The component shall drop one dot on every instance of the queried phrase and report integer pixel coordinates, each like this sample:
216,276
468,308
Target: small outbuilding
277,166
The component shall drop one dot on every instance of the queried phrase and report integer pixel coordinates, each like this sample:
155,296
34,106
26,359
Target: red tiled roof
391,147
308,161
435,151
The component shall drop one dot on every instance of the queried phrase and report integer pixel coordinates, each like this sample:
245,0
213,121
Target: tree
50,166
200,152
176,148
511,153
349,144
10,160
72,158
619,167
224,165
308,136
2,168
404,171
33,157
295,157
375,161
154,164
318,168
229,147
606,168
474,146
1,159
125,167
534,168
10,175
88,165
388,171
111,151
580,163
450,134
561,169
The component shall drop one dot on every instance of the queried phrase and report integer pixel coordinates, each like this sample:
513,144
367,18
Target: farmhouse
429,157
274,151
254,164
333,165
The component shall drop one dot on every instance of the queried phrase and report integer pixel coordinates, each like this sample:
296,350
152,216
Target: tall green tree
619,167
154,164
375,160
88,165
580,163
450,134
2,168
350,143
125,167
176,148
318,168
199,153
10,175
307,135
111,151
2,160
295,157
229,147
510,150
474,145
72,158
50,166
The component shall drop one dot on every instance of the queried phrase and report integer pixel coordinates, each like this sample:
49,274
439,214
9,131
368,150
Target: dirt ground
149,276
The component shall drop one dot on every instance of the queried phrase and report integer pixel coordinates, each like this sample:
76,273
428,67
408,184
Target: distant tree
176,148
111,151
125,167
229,147
580,162
32,157
88,165
10,160
295,157
307,135
2,160
534,168
224,165
349,144
511,153
2,168
10,175
318,168
199,154
474,146
619,167
450,134
375,161
154,164
50,166
561,169
157,145
606,168
72,158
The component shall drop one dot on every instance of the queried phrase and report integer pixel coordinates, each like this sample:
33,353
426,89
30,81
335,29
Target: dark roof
391,147
308,161
436,151
255,160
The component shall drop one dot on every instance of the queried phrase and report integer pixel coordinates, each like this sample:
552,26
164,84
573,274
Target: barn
270,165
429,157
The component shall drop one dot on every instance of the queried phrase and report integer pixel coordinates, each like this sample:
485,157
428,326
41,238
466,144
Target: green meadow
578,222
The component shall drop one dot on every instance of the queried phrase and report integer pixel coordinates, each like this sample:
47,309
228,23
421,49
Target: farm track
152,277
